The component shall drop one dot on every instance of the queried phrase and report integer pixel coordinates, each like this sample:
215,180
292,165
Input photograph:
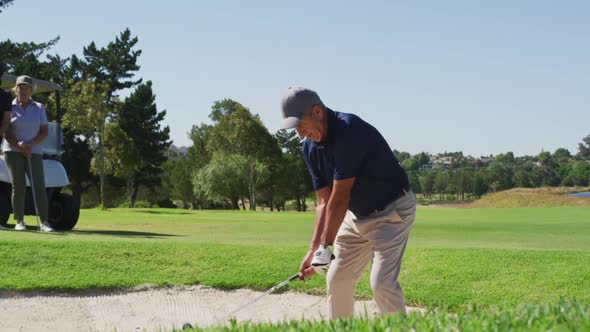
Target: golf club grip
295,276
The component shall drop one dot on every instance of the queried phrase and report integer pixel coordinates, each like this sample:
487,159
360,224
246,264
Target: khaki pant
17,166
380,237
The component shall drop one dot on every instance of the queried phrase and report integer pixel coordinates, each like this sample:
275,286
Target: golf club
33,192
187,326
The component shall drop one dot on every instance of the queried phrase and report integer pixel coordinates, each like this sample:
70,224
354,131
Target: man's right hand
306,270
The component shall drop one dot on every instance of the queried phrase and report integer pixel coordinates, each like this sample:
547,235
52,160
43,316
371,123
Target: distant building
486,160
439,163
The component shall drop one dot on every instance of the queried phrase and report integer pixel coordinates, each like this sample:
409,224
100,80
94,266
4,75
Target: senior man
365,207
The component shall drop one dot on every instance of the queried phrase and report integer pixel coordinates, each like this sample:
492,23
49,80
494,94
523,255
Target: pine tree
140,120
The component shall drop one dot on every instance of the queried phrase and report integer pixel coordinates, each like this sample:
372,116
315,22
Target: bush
291,205
138,204
166,203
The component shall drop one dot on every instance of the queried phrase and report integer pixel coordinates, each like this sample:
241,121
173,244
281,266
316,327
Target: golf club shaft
283,283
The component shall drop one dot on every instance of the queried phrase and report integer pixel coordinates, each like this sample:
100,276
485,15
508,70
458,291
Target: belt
405,190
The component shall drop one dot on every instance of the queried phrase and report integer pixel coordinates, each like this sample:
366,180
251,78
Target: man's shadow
120,233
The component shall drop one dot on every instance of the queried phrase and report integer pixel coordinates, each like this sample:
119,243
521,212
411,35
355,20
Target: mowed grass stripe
455,256
431,277
566,228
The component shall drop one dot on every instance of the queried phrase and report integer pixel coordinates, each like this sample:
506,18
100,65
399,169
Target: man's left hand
322,259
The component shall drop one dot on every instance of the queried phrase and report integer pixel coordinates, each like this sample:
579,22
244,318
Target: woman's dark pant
17,166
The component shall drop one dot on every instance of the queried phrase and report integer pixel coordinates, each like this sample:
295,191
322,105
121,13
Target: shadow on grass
122,233
159,212
31,229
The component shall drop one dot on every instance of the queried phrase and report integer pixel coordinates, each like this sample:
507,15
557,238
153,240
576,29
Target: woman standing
27,130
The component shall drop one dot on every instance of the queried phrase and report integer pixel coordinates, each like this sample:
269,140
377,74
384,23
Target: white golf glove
322,259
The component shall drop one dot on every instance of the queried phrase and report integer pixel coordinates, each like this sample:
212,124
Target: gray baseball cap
24,80
294,104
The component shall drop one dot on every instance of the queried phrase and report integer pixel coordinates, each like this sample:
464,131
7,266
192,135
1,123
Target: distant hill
532,197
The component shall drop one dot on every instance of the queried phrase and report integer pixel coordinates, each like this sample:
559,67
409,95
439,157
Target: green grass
561,316
455,257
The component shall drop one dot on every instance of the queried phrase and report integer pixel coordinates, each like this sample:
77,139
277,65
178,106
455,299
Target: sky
432,76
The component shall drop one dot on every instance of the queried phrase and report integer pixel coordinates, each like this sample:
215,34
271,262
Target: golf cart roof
39,86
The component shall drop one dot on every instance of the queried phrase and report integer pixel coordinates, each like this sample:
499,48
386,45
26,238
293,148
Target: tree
401,156
523,179
5,3
411,164
414,179
239,132
255,173
140,120
584,148
289,142
500,172
463,181
221,179
579,175
224,107
479,184
17,56
562,155
90,99
122,158
416,162
506,158
198,156
440,184
292,179
175,175
87,113
563,158
113,65
548,169
427,179
423,159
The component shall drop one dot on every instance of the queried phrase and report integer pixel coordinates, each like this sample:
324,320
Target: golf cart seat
53,143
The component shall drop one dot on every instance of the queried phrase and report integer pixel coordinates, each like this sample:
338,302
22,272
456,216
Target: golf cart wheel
4,208
64,212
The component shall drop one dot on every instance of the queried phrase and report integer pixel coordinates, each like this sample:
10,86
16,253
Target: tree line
236,161
463,176
117,152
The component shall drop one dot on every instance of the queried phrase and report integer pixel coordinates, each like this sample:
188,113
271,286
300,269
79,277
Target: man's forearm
319,224
335,212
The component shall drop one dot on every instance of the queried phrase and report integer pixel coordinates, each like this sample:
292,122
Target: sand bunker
154,309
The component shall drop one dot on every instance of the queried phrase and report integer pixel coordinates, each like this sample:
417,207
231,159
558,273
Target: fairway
455,257
561,228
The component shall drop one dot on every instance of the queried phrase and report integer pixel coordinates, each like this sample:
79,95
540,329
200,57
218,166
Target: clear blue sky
434,76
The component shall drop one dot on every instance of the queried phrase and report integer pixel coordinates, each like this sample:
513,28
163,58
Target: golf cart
64,210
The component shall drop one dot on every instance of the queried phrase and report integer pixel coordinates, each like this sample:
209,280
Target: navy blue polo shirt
354,148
